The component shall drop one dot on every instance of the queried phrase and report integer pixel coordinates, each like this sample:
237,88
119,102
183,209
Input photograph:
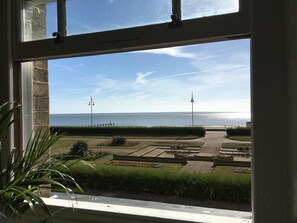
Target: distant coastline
152,119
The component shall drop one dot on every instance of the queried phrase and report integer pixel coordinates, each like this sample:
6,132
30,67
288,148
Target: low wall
201,158
182,160
217,162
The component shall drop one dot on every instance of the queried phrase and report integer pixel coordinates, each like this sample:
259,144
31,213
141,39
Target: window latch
175,21
58,37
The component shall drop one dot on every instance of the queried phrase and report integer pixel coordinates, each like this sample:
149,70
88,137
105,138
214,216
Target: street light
192,101
91,103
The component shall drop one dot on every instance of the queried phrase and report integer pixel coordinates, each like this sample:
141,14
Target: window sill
115,211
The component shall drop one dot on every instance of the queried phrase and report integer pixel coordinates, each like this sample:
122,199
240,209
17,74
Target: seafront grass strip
223,187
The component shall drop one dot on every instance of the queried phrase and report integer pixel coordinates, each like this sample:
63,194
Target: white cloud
72,69
140,79
173,52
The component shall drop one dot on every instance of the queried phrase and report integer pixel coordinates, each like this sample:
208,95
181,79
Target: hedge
239,131
126,131
180,184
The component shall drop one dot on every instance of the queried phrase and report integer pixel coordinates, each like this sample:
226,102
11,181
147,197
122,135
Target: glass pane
201,8
40,19
93,15
154,88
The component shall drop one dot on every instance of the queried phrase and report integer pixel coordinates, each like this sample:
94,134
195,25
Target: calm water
152,119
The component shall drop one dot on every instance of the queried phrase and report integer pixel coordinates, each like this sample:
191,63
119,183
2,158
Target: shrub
194,185
239,131
80,148
130,130
118,140
90,156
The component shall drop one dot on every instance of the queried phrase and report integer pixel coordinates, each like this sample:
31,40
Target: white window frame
200,30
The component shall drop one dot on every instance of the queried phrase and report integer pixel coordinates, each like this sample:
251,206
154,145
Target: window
134,41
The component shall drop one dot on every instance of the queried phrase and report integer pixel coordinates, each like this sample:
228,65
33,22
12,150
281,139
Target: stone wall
40,94
35,28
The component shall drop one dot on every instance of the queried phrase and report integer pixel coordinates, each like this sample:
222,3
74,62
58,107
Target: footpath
213,141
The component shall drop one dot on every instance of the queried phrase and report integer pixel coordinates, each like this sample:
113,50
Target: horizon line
87,113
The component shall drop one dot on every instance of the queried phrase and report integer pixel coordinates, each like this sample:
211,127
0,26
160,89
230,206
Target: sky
159,80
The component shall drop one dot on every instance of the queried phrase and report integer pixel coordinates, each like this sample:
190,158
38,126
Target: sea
152,119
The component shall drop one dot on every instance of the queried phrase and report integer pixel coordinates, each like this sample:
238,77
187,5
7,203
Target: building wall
40,94
35,28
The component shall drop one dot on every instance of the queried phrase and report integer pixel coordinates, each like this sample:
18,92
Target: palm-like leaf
23,176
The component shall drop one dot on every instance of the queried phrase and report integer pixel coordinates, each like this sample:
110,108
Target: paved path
198,166
213,142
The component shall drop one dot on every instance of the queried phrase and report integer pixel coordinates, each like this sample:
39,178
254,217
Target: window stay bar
61,33
176,17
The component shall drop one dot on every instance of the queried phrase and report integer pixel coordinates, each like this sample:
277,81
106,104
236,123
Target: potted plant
22,177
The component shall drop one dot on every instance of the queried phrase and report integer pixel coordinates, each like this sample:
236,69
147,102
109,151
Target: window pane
40,19
202,8
93,16
155,88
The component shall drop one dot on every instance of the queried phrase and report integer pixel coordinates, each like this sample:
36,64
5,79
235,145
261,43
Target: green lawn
141,142
240,138
239,146
226,170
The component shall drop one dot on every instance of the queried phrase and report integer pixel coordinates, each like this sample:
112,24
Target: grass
238,146
104,161
176,143
137,143
64,142
240,138
187,137
225,170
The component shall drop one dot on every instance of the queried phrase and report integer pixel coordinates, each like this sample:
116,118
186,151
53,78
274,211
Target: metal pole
91,103
192,101
61,10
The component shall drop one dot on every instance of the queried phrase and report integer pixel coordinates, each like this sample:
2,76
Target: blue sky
158,80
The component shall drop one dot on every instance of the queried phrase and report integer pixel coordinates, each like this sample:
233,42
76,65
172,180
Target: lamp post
91,103
192,101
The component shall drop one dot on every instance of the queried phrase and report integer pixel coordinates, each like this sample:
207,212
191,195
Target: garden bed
135,164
